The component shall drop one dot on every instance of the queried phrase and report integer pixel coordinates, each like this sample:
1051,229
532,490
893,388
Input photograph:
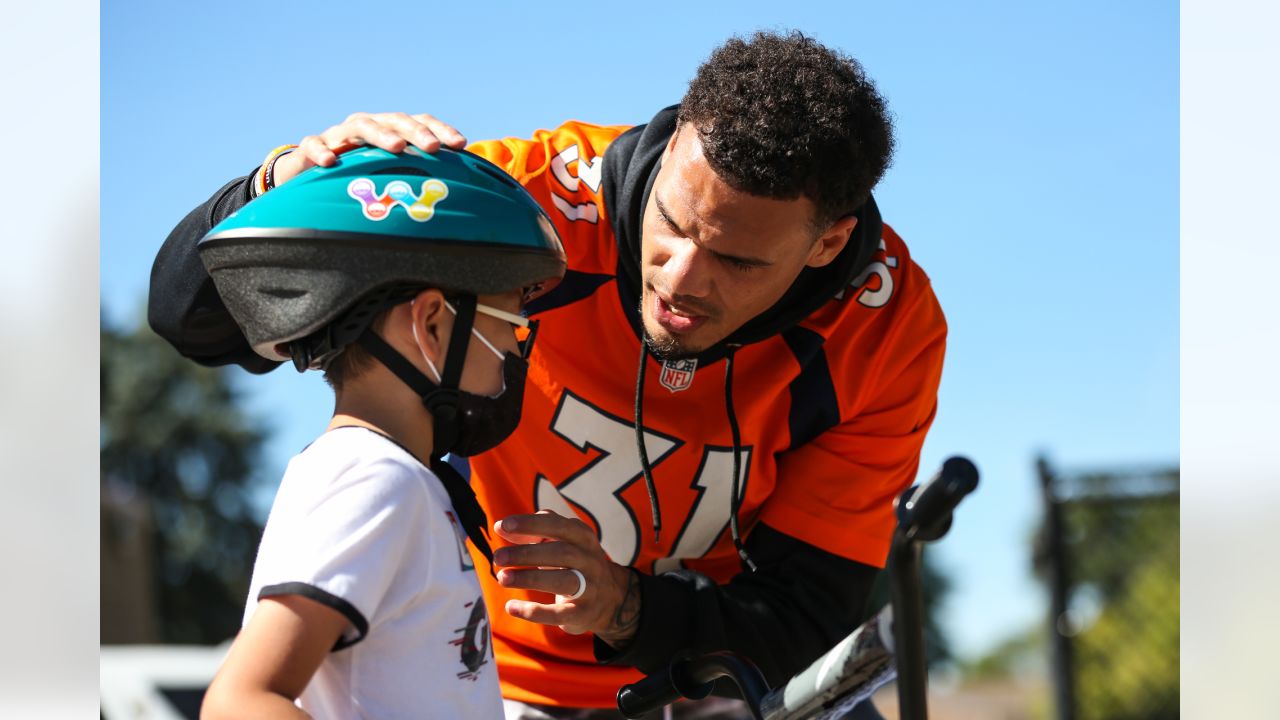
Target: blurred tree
1013,677
1121,545
1020,653
1127,643
177,454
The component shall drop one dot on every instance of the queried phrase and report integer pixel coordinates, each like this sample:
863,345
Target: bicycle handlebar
924,512
646,695
693,678
844,676
864,661
924,515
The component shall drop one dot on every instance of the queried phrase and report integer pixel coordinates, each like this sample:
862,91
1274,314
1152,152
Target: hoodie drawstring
640,445
735,501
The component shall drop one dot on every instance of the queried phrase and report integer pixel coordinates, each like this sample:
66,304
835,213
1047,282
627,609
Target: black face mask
468,424
465,423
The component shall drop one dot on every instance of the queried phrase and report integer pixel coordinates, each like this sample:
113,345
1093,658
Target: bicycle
890,644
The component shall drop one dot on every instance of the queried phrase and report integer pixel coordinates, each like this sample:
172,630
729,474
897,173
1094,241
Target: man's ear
433,322
832,241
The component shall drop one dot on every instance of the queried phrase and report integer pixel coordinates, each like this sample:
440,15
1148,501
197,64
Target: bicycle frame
891,643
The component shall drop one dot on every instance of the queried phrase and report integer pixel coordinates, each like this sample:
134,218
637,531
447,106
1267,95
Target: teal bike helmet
305,267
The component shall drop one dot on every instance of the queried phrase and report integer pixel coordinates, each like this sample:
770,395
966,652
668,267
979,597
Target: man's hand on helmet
389,131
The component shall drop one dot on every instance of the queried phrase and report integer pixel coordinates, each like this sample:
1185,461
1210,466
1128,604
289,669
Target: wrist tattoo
625,620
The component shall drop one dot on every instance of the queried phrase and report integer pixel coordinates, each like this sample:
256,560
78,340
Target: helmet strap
440,400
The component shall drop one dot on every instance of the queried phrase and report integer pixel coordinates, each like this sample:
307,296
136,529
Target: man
730,250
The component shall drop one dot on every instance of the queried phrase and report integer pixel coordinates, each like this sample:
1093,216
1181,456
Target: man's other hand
546,548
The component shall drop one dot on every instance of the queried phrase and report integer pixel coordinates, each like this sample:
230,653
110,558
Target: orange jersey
832,411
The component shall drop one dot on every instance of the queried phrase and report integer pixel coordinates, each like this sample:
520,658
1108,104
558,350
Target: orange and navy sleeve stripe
858,418
561,168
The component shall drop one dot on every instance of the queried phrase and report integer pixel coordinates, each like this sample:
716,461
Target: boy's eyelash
740,265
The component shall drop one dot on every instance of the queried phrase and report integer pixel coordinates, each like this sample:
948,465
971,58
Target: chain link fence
1108,552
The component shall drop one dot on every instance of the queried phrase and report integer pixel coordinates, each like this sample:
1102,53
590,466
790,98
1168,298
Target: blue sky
1036,181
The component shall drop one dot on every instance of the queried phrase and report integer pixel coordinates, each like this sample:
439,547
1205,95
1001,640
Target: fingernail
500,556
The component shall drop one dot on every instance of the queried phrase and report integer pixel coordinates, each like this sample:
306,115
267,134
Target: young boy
364,600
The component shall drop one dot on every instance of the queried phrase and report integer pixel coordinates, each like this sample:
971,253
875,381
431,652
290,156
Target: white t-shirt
360,525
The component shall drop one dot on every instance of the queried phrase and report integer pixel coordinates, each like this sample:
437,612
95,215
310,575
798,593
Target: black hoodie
800,601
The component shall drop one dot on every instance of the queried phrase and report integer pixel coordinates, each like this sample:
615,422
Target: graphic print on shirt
465,562
588,172
473,640
878,296
597,488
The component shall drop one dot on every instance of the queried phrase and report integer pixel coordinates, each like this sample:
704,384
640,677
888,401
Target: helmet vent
498,174
402,170
284,293
358,317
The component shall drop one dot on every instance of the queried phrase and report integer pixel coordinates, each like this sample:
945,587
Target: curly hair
782,116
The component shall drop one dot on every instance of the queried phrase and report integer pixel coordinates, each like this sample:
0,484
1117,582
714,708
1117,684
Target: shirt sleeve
345,547
562,169
183,306
836,492
797,604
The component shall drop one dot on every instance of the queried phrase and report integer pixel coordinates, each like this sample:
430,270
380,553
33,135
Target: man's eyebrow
671,223
666,216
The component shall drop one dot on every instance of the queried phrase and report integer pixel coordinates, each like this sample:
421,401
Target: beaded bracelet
269,178
262,180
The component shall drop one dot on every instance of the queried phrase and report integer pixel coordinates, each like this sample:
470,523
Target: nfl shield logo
677,375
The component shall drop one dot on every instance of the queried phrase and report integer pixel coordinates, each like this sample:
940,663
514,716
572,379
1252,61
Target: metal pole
1055,547
908,627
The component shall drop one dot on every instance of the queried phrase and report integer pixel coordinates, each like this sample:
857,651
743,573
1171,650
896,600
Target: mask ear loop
417,339
482,338
497,353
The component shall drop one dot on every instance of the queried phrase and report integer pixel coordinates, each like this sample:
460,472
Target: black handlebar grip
924,512
646,695
693,678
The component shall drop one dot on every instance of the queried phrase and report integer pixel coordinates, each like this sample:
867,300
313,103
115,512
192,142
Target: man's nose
686,270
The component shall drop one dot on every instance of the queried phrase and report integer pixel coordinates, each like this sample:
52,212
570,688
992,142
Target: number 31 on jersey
596,488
